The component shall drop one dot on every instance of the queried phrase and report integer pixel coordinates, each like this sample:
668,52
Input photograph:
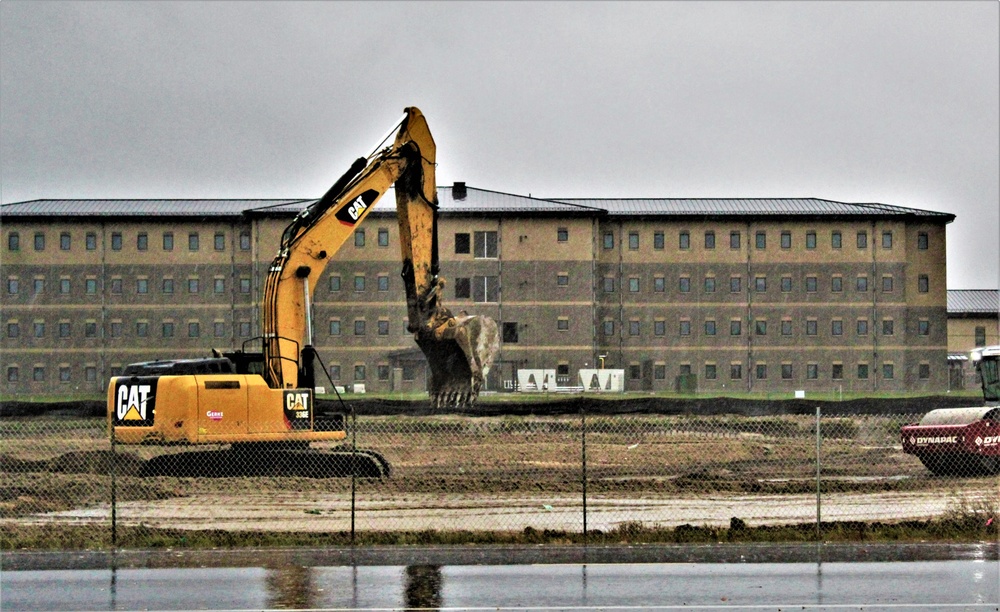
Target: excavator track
243,460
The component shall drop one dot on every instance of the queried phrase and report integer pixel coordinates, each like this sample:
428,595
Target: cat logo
352,213
298,408
134,401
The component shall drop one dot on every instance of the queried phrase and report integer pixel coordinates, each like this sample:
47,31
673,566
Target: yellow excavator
264,401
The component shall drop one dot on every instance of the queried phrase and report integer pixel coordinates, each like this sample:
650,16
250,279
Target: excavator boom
459,349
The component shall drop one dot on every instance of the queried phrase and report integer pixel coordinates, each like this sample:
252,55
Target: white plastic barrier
603,380
531,381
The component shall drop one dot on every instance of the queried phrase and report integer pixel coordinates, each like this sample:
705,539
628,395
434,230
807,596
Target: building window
658,241
923,283
193,285
383,328
837,327
760,284
887,326
786,240
562,234
811,327
609,284
709,284
837,284
116,241
12,287
13,241
710,327
39,241
924,371
194,329
862,327
862,284
38,374
684,241
837,371
608,328
980,335
633,327
562,324
886,284
633,284
509,333
886,240
219,242
923,327
141,329
463,244
39,329
659,327
383,282
786,284
64,241
359,327
486,289
383,372
608,240
562,280
91,286
836,240
219,285
90,374
359,238
486,245
862,240
359,282
142,285
335,283
359,372
862,371
922,241
463,288
810,240
760,240
219,329
760,327
660,371
244,241
812,284
13,330
888,371
334,327
735,284
167,330
761,371
193,241
684,284
168,241
633,241
710,373
244,285
335,372
735,327
168,285
39,286
735,371
812,371
685,327
142,241
116,329
90,329
634,371
734,240
64,329
786,327
786,371
709,240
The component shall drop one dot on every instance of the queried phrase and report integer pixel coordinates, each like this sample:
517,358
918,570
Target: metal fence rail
578,474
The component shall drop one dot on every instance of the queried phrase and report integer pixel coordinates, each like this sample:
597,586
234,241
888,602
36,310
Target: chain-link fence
578,475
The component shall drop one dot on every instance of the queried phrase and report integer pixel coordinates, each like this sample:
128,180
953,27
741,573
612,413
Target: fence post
818,469
114,492
583,463
354,471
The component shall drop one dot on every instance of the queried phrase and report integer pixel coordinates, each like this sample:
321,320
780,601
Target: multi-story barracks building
720,294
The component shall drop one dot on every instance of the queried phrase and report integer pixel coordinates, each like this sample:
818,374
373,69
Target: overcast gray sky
893,102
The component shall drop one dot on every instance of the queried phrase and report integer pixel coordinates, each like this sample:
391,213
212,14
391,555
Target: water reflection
422,586
291,586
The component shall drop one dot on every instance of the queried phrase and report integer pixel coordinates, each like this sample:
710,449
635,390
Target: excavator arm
459,349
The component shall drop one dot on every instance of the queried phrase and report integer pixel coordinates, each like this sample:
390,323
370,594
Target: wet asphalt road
956,578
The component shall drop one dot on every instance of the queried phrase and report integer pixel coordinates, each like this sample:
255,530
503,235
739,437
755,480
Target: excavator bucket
460,353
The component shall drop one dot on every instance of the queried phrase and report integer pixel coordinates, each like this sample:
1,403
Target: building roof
973,301
726,207
479,201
